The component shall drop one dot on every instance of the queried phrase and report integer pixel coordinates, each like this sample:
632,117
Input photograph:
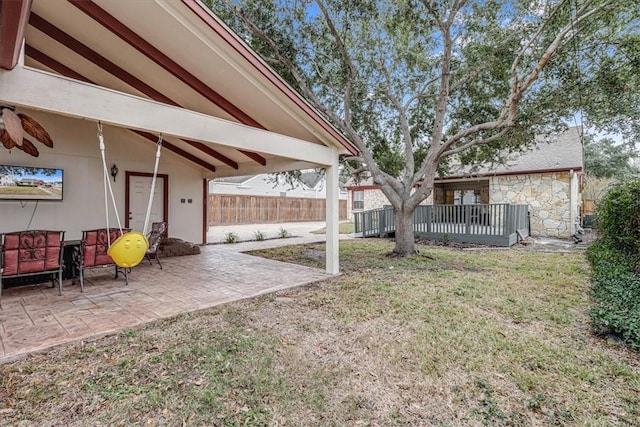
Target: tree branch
403,121
509,112
348,61
470,144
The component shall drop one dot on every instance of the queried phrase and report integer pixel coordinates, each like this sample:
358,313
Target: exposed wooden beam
52,64
213,153
206,15
23,86
127,35
166,144
14,15
123,75
64,70
255,157
91,55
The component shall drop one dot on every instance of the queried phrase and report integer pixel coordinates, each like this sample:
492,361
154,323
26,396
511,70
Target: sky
55,176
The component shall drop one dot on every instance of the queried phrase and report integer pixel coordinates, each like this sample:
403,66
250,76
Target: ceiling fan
15,128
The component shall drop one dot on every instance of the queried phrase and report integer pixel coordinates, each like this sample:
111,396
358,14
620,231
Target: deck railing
494,224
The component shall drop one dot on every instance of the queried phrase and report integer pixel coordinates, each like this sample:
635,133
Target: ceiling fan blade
6,140
29,148
35,129
12,125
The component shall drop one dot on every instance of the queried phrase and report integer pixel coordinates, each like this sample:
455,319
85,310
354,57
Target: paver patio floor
34,317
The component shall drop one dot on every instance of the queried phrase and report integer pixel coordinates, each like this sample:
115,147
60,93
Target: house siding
548,196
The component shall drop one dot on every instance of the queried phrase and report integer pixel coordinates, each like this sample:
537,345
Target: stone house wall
547,194
373,199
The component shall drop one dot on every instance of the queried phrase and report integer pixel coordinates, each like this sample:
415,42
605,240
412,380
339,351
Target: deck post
508,223
467,217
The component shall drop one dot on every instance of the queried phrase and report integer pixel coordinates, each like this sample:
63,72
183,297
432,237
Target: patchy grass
447,338
343,228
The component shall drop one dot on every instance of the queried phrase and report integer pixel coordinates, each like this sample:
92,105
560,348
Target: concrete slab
34,318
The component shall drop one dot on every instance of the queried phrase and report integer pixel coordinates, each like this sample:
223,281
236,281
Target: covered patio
149,71
34,318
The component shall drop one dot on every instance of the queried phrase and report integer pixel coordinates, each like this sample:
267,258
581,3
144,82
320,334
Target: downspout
572,203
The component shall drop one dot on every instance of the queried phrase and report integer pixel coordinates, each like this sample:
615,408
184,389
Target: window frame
357,203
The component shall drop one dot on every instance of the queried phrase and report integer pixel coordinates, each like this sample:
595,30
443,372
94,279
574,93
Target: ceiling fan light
2,107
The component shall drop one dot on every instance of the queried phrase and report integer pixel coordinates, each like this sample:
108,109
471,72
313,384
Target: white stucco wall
76,151
548,196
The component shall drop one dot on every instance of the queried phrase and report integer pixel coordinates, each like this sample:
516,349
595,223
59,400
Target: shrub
259,236
231,237
618,217
283,233
616,290
615,264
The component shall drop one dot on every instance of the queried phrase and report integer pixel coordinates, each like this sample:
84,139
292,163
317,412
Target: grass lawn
343,228
447,338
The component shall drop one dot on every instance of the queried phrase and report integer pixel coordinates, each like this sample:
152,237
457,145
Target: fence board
227,209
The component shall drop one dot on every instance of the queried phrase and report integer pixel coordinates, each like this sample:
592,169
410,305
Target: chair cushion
95,244
34,251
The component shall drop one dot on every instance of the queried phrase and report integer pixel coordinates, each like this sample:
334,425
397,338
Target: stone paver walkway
34,318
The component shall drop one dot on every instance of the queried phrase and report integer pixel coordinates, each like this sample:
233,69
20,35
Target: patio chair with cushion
93,252
30,253
154,237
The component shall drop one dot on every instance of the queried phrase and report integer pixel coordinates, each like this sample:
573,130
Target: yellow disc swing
130,248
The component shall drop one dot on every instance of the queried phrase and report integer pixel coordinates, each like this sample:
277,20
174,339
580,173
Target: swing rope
129,248
107,184
153,185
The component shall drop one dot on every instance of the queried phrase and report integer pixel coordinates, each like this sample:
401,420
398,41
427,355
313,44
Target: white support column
333,263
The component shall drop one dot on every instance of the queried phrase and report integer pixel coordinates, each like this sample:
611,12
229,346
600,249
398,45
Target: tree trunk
405,240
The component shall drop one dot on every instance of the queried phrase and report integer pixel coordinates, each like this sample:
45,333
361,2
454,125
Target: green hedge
616,291
618,217
615,262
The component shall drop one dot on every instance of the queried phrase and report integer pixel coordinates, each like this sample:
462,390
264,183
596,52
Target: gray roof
234,179
311,178
561,152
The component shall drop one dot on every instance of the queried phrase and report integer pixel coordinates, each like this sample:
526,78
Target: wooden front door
137,199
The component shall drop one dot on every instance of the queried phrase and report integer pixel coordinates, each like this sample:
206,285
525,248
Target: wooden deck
495,224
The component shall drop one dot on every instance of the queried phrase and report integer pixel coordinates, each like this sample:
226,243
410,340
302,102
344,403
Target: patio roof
162,66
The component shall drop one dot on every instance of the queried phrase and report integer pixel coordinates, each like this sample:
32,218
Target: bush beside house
616,266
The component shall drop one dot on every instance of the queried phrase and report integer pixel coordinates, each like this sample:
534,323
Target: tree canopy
415,82
604,158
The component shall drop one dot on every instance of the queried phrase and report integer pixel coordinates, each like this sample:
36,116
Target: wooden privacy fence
226,209
495,224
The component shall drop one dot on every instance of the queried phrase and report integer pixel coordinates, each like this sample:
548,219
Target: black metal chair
154,237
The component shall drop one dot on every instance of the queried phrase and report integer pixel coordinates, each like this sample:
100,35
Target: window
358,200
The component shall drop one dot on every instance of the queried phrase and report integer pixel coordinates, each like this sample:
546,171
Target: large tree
414,82
606,158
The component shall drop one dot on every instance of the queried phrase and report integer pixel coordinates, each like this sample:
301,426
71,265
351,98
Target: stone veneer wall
374,199
548,196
